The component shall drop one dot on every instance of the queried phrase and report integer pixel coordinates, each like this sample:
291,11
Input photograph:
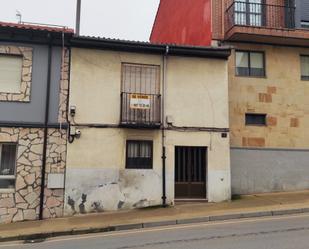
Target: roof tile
37,27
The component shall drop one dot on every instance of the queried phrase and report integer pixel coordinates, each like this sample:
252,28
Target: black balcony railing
259,15
140,110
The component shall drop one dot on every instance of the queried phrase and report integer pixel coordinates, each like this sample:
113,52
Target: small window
10,73
256,119
7,166
250,64
304,63
139,154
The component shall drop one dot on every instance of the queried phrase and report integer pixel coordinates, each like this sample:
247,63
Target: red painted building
183,22
198,22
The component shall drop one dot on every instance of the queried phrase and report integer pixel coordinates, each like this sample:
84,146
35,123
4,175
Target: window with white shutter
10,73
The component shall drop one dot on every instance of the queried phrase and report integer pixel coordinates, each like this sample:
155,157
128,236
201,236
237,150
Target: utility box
55,181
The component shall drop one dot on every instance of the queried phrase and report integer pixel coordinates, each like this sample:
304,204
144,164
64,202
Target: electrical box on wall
170,120
55,181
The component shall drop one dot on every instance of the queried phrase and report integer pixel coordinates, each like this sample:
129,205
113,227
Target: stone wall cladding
55,163
23,203
26,77
64,86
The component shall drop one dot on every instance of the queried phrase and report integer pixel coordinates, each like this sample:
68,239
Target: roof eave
143,47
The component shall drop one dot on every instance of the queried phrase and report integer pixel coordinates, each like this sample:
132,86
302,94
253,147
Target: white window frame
26,77
12,86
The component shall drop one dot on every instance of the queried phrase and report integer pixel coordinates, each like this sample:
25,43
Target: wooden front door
190,172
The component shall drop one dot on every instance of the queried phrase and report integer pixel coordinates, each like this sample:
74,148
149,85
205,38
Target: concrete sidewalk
182,213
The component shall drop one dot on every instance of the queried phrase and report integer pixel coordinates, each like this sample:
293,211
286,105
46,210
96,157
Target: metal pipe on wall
163,128
45,130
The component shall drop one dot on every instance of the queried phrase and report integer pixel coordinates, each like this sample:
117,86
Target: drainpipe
45,130
163,128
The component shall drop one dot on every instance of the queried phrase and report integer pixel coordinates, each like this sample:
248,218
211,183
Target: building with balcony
148,125
268,82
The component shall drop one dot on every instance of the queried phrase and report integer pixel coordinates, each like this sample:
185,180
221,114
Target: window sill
138,168
7,190
256,125
249,76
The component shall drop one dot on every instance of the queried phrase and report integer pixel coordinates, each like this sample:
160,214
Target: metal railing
259,15
146,113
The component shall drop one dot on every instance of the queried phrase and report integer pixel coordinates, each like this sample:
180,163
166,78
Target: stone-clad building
34,78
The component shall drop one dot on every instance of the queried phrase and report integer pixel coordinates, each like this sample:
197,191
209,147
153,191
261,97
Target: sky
123,19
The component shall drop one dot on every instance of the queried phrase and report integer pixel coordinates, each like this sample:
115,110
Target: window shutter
10,73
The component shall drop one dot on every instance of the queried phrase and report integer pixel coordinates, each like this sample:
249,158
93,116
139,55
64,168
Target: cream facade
194,102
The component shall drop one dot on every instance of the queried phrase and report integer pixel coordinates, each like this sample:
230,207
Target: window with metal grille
143,79
304,63
7,166
250,63
256,119
249,12
140,95
139,154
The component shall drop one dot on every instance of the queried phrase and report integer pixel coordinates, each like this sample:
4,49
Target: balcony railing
140,110
259,15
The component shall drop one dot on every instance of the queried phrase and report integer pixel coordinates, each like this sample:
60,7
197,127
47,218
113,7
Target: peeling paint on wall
110,189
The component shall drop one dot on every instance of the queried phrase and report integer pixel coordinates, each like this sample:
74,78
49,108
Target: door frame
206,174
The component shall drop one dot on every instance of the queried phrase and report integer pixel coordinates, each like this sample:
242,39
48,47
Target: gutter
144,47
163,127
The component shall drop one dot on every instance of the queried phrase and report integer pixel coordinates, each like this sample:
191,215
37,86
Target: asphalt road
282,232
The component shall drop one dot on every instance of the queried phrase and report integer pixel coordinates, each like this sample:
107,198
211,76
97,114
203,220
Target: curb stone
193,220
81,231
160,223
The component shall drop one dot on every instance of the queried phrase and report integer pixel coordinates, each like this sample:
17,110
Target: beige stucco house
148,125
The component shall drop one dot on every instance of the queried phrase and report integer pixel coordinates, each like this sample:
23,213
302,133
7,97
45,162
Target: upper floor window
304,63
256,119
262,13
249,12
140,95
139,154
7,166
250,63
15,73
10,73
138,78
